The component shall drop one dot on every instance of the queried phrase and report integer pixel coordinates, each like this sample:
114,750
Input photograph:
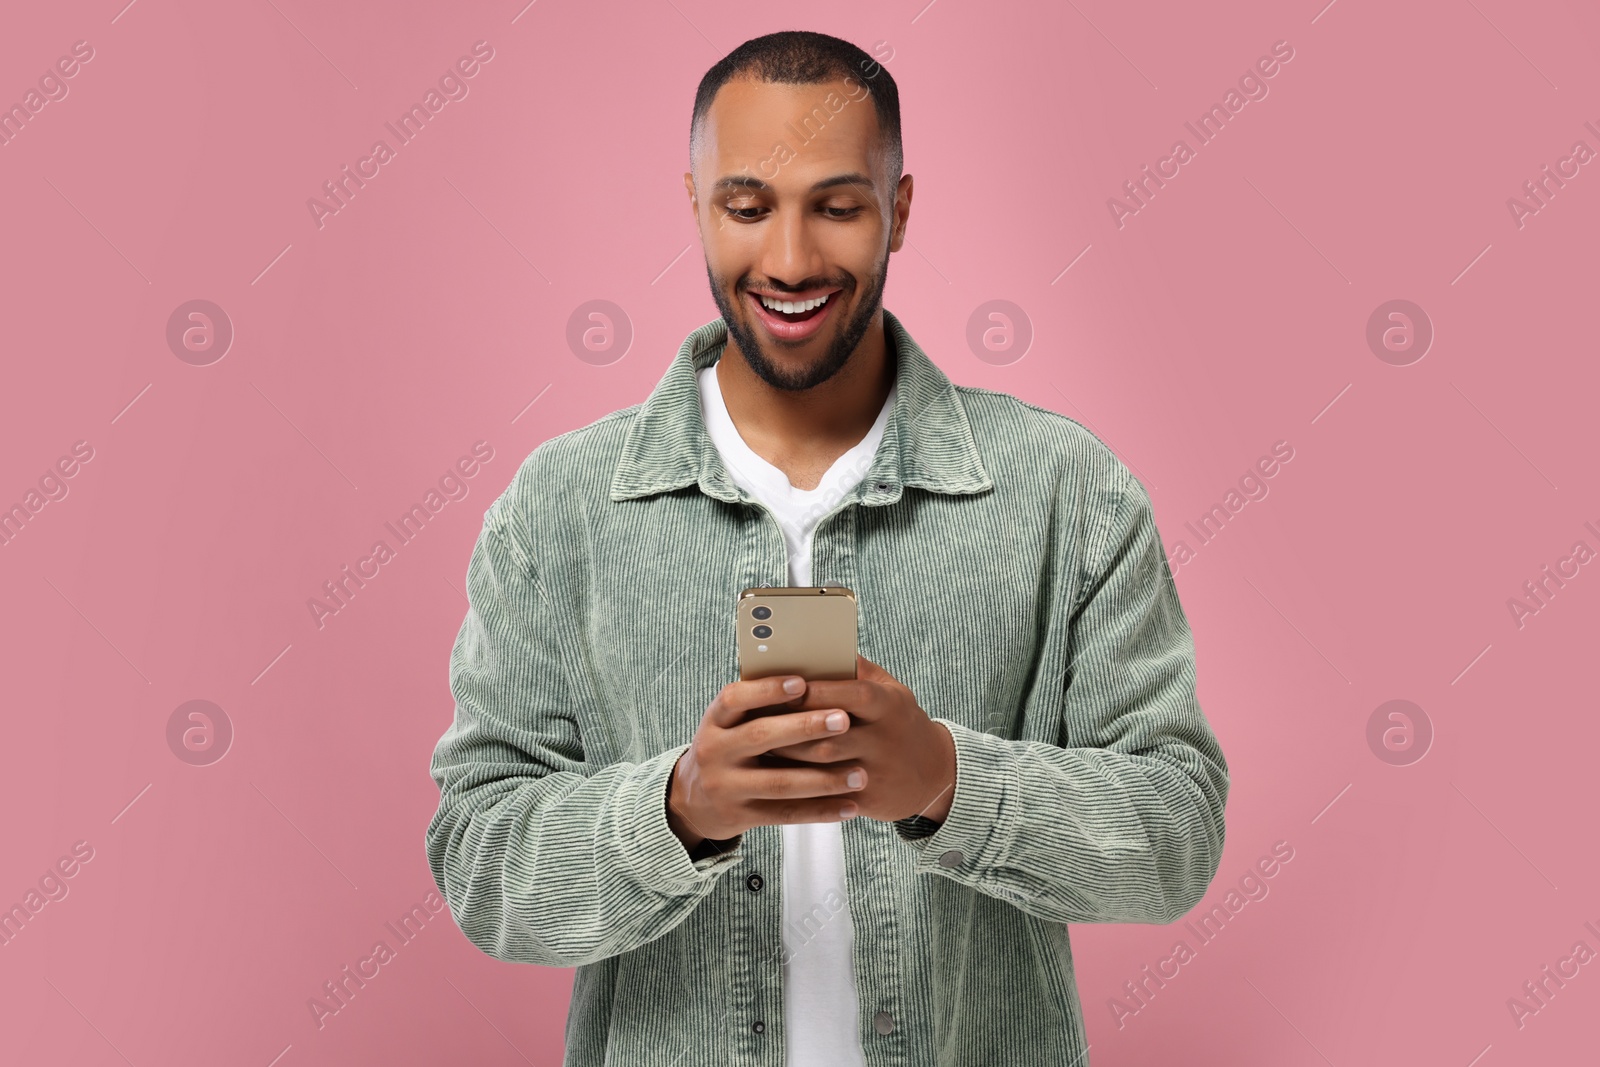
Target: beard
743,329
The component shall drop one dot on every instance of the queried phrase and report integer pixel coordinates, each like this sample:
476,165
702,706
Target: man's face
792,202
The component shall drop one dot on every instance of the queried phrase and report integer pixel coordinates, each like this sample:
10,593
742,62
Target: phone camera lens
762,612
762,632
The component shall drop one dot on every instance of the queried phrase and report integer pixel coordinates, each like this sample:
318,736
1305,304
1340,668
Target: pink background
369,354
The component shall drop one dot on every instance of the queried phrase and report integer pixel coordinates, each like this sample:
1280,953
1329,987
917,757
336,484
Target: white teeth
791,307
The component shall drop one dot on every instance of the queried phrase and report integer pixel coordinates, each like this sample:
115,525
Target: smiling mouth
803,309
802,319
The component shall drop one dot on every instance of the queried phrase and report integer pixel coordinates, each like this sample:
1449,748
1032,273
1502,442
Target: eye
750,214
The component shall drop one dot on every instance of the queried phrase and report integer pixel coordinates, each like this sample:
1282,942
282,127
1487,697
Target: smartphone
804,630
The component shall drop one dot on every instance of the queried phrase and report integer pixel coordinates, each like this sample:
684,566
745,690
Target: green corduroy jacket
1008,570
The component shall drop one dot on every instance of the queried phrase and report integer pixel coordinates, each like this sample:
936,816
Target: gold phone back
813,632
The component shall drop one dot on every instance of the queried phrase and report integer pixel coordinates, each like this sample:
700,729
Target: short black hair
801,57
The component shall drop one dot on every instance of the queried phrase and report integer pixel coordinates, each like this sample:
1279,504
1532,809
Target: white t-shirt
819,991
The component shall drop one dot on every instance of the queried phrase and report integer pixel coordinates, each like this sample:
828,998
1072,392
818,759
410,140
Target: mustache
842,285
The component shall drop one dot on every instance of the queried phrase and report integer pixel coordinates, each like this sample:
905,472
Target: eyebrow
746,181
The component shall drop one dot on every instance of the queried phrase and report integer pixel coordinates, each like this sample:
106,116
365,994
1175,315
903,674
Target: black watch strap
708,848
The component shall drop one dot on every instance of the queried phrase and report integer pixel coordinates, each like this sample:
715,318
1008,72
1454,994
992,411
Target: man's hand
722,785
909,760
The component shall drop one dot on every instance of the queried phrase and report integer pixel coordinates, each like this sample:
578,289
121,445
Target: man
871,871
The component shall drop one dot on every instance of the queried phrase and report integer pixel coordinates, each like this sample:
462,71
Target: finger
732,703
781,812
866,670
821,750
799,783
863,699
869,670
756,736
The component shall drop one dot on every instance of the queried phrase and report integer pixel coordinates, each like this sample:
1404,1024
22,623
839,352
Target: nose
789,252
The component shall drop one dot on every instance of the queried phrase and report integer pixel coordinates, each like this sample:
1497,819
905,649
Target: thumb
870,671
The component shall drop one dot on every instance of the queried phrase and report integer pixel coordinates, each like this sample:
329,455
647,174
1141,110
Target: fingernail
837,720
854,779
794,685
848,811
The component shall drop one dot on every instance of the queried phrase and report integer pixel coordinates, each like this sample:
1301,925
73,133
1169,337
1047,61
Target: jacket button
755,882
758,1026
883,1022
952,858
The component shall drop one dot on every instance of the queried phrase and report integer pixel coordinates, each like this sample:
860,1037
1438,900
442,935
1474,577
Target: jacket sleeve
543,858
1122,821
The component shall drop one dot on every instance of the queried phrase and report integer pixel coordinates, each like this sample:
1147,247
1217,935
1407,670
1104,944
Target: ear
694,200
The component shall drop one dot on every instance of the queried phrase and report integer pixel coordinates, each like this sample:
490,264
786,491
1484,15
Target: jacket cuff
658,858
977,831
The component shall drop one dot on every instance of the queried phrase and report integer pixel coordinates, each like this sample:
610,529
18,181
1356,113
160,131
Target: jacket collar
927,441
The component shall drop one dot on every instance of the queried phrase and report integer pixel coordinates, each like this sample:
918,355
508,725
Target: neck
801,431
